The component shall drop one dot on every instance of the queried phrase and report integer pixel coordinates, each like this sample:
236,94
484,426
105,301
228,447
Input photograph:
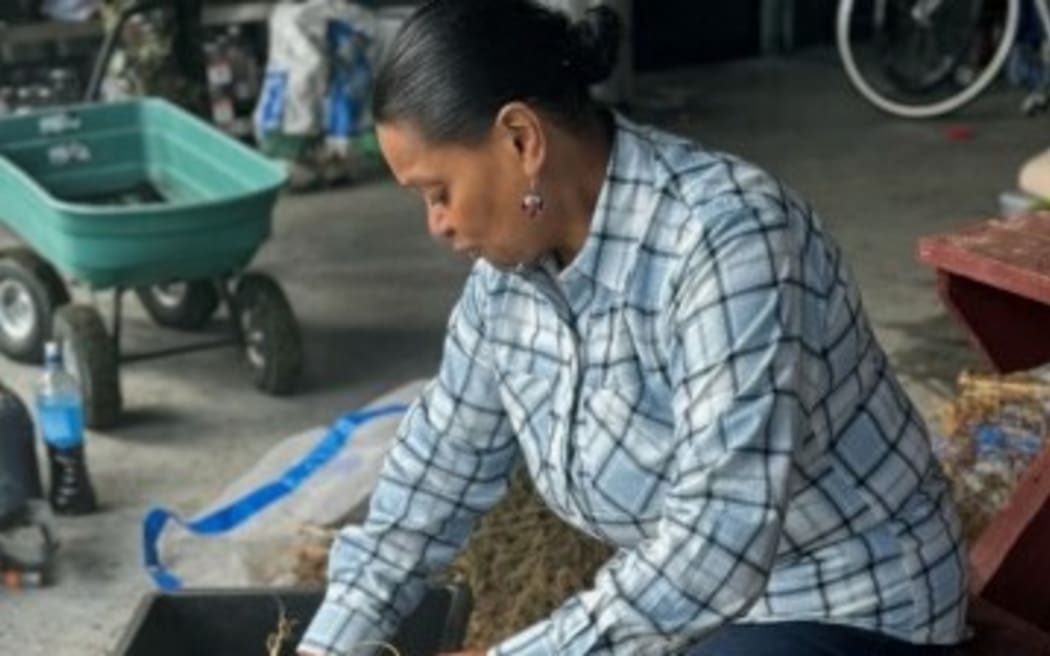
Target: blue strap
232,515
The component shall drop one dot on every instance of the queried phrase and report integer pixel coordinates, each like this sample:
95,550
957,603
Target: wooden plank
1012,255
1037,224
1015,546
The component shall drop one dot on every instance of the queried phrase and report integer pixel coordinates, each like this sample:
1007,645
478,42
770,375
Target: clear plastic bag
264,548
299,70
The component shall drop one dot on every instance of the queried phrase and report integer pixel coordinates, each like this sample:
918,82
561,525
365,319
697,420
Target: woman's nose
438,223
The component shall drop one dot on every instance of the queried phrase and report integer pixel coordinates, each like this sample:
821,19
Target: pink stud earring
532,203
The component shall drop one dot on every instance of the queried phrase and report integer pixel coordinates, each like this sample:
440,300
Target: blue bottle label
61,424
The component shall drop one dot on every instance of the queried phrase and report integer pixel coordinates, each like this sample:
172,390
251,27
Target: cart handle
98,71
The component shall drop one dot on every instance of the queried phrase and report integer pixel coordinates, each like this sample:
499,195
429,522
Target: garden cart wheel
89,354
272,342
180,305
30,292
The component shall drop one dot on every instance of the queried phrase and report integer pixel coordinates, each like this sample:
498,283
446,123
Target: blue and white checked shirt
701,388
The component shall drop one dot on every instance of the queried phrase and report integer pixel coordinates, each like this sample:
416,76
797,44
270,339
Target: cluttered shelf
243,45
233,43
52,30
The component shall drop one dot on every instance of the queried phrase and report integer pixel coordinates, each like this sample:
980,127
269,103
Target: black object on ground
219,622
19,469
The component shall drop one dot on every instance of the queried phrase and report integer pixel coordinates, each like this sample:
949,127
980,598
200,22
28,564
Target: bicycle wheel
924,58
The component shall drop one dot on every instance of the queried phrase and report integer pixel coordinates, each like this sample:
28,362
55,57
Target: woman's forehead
407,154
415,161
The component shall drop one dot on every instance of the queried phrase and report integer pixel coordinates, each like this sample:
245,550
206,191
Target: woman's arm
449,463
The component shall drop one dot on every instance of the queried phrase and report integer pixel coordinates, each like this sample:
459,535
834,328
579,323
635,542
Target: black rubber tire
35,276
272,342
88,352
192,311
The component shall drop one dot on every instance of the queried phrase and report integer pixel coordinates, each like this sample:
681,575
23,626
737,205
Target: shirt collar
623,212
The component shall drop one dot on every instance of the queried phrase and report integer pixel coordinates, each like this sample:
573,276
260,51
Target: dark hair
455,63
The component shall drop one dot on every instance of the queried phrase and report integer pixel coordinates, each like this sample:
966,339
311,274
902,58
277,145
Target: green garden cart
137,195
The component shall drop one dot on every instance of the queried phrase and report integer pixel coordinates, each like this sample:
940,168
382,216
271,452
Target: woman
668,340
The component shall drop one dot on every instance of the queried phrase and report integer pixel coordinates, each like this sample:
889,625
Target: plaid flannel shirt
701,388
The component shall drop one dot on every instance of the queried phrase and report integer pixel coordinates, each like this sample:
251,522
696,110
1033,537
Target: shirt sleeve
734,357
449,463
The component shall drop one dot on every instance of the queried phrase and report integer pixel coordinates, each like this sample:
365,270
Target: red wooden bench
995,278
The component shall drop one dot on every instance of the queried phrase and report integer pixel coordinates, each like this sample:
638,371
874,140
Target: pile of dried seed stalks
521,562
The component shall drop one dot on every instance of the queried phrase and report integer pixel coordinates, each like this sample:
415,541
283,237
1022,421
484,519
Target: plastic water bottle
60,411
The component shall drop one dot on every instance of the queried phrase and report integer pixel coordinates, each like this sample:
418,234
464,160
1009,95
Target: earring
532,203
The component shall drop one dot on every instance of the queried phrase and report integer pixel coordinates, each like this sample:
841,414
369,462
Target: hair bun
597,37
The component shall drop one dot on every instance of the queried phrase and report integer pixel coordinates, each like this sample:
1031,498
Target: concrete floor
372,294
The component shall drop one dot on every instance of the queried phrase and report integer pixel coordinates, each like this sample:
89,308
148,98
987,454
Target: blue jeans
809,639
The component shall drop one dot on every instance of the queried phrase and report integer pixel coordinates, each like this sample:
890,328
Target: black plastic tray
238,622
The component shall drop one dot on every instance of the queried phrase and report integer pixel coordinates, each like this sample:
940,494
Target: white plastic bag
299,65
263,549
70,10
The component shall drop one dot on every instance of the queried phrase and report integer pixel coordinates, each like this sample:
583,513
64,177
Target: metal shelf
227,14
22,33
237,13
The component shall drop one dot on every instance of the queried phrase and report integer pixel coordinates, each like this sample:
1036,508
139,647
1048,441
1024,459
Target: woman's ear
521,129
